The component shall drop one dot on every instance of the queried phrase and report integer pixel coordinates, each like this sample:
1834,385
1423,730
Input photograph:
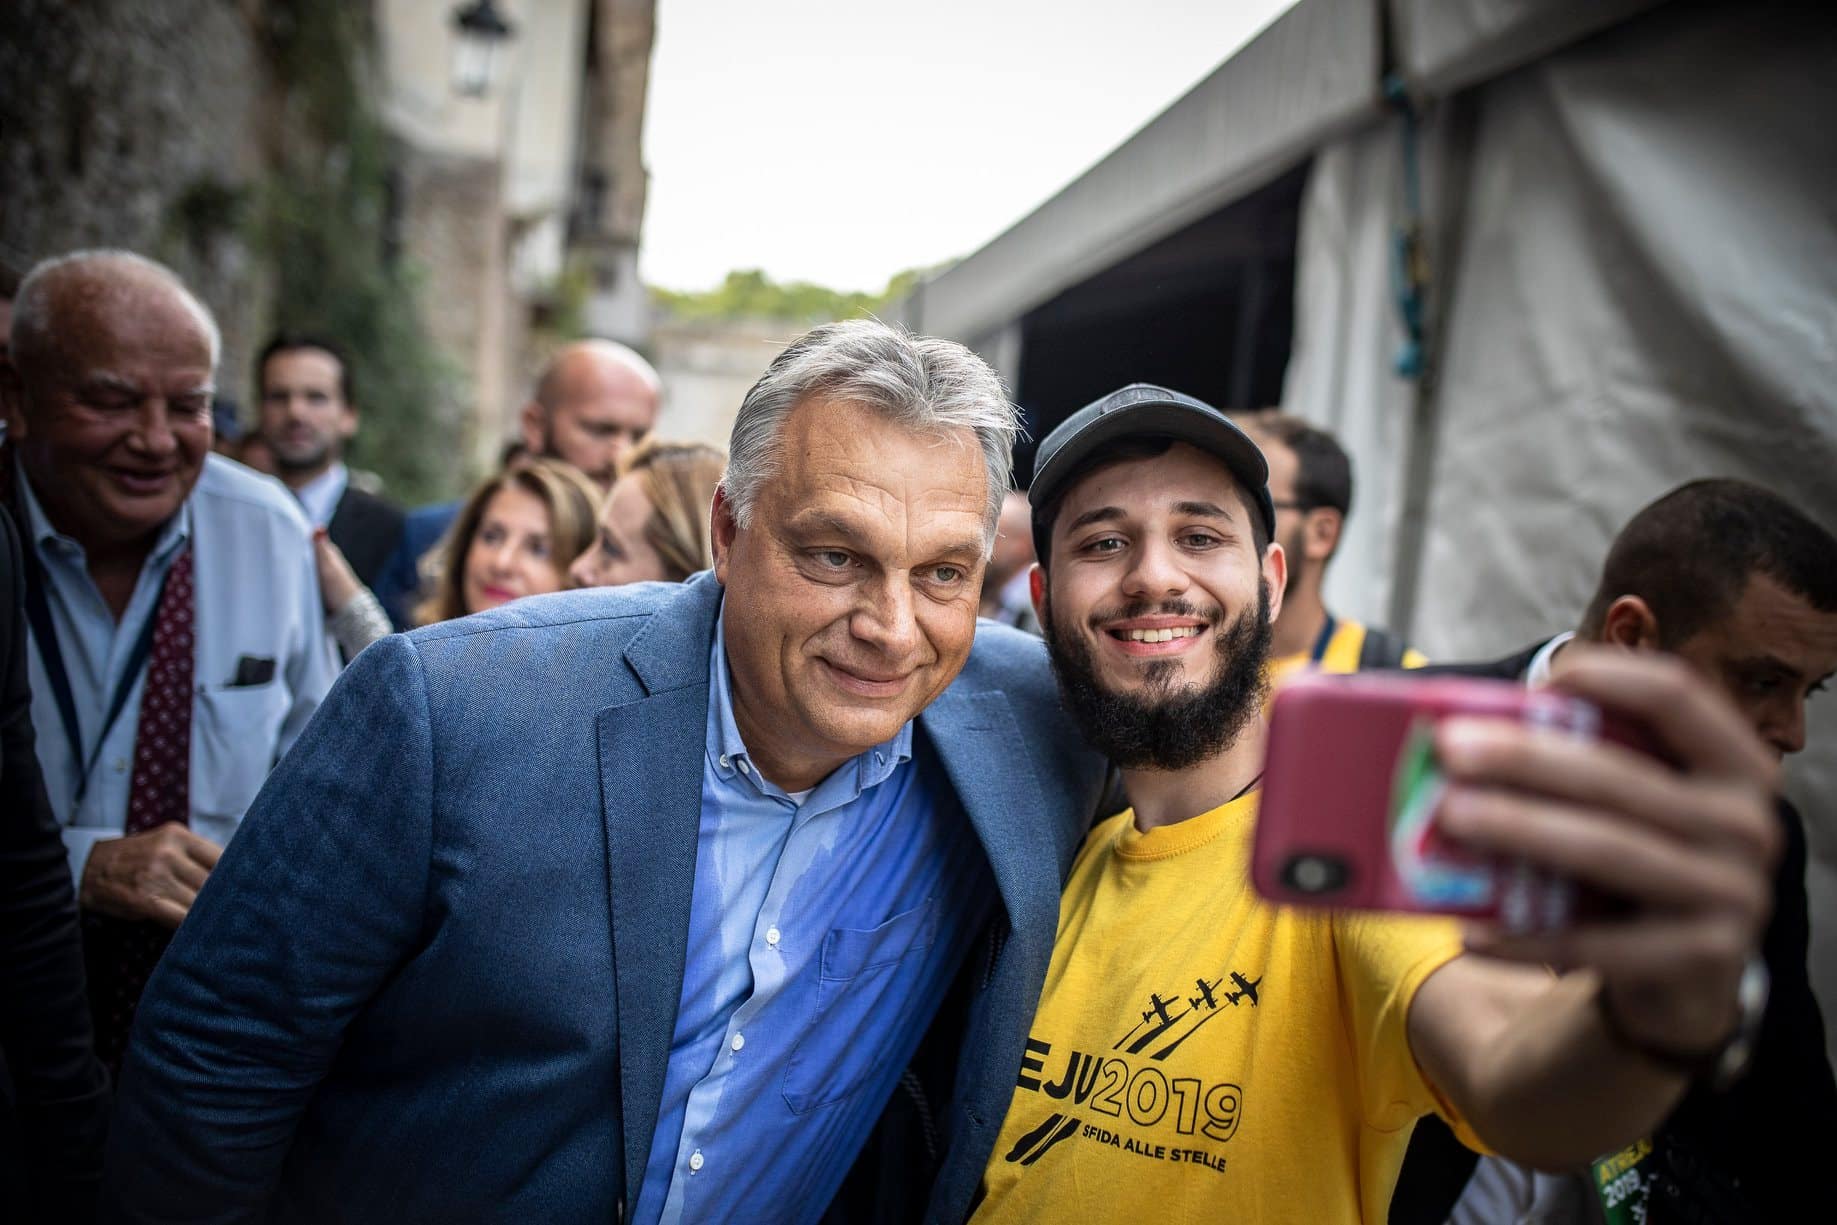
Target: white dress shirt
320,496
257,596
1537,672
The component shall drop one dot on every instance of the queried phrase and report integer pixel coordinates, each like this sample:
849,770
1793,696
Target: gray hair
919,382
31,336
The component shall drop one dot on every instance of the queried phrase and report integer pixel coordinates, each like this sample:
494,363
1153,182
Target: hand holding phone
1671,850
1687,846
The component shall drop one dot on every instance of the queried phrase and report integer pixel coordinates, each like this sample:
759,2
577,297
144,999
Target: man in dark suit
53,1091
1743,585
635,902
308,415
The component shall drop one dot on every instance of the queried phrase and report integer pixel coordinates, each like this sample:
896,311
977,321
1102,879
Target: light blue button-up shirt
257,595
824,930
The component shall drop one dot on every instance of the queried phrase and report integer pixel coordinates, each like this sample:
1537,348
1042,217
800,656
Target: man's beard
1166,728
313,456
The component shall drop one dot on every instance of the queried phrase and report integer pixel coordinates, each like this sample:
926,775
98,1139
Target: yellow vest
1341,655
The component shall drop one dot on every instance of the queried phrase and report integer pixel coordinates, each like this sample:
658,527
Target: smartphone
1351,787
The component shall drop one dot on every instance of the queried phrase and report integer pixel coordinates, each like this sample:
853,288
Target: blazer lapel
979,741
361,526
651,752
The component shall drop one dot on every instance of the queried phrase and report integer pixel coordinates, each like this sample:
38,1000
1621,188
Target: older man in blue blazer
636,902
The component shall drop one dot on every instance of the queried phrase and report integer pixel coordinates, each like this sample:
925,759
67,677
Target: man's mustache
1156,608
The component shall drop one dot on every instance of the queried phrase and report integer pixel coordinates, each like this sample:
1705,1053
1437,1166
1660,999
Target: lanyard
1324,640
38,613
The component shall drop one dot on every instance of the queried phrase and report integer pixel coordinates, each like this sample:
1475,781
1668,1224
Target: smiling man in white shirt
177,641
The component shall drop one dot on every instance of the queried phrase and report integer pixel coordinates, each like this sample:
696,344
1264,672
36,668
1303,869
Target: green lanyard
1623,1181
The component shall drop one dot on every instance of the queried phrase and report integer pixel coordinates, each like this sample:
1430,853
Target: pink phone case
1338,827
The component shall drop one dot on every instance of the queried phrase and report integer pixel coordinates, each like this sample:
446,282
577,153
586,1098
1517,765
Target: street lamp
480,29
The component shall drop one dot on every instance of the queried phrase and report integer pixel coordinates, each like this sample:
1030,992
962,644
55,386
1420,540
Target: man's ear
1631,623
1275,574
1322,532
347,422
722,529
535,427
1036,590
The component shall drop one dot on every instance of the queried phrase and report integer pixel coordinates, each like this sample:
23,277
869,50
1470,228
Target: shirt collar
50,542
727,755
1537,672
319,496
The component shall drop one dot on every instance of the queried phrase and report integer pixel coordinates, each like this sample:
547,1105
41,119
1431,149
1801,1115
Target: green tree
750,294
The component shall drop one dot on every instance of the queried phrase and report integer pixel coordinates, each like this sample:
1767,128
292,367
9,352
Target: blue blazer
435,975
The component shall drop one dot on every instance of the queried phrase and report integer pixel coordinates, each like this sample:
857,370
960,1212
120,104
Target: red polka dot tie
120,953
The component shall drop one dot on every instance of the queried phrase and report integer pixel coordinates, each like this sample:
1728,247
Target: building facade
522,205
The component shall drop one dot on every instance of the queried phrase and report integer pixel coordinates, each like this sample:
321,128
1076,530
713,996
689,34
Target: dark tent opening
1208,310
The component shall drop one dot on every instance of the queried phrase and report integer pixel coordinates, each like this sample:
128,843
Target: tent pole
1443,229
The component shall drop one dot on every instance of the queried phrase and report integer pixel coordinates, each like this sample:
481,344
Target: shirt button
727,763
771,936
739,1041
121,765
695,1160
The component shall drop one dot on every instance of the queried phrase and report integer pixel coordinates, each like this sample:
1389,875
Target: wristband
1720,1065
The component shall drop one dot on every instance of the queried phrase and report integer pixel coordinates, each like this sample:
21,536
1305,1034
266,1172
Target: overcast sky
839,141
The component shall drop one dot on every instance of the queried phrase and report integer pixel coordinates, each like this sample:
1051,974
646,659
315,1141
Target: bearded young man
1201,1050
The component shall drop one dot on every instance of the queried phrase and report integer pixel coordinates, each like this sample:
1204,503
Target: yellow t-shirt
1341,656
1202,1055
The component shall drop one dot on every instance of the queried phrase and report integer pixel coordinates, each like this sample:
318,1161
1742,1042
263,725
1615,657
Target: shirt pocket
233,731
860,989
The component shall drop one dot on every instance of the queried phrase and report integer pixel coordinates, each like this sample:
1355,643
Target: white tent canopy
1634,260
1311,75
1630,214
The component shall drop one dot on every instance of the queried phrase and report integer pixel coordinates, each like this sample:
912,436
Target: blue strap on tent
1409,260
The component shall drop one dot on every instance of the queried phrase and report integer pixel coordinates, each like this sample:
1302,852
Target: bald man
594,400
177,644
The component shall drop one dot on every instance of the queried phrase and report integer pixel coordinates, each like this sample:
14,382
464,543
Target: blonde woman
654,527
513,538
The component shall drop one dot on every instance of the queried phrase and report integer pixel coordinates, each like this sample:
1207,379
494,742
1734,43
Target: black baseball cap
1143,410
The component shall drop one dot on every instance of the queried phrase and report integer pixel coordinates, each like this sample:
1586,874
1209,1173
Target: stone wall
453,228
140,125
